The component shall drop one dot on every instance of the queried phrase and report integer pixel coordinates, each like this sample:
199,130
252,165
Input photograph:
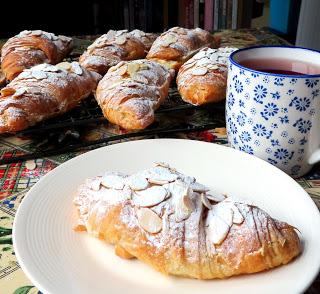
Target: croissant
116,46
42,92
203,78
130,92
30,48
177,226
177,45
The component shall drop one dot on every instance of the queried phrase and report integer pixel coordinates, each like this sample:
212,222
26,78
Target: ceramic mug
275,116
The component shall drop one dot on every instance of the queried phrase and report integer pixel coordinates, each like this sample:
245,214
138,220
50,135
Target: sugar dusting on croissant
180,227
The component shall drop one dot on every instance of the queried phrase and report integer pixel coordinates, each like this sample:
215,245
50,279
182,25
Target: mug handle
315,157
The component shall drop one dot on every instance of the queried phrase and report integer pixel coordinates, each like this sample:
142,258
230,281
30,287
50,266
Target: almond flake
205,201
7,91
200,55
76,68
109,35
95,185
203,61
215,196
121,32
38,74
140,79
30,164
237,215
36,33
197,187
25,74
19,92
137,183
113,182
199,71
122,70
64,65
149,220
151,196
224,211
121,40
132,68
160,175
217,230
213,66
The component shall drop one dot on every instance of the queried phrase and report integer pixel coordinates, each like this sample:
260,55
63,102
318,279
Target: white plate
59,260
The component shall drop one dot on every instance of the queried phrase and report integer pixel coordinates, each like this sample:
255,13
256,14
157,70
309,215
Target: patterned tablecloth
16,178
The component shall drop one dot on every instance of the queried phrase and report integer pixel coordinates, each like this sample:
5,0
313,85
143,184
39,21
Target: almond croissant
177,226
30,48
42,92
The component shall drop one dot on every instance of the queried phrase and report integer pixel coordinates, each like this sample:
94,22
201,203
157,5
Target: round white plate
59,260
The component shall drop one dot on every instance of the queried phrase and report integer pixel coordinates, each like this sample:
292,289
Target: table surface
16,179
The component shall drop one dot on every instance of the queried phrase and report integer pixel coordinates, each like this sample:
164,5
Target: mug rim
231,59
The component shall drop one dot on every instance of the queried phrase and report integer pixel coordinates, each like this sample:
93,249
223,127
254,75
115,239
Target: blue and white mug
275,116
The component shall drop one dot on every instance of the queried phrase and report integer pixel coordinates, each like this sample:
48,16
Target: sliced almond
109,35
205,201
149,220
95,185
19,92
36,33
120,32
76,68
217,230
137,183
51,68
203,61
197,187
25,74
121,40
171,38
224,211
140,79
133,68
199,71
7,91
48,35
200,55
64,65
122,70
113,182
150,197
31,164
183,207
215,196
213,66
161,175
38,74
237,215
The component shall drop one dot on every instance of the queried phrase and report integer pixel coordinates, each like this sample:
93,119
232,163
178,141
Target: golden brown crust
116,46
131,91
203,78
177,45
185,247
42,92
30,48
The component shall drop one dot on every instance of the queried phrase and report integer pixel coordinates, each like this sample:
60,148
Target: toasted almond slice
36,33
64,65
19,92
213,66
38,74
120,32
171,38
215,196
151,196
7,91
25,74
205,201
200,55
121,40
137,183
224,211
31,164
95,185
140,79
109,35
197,187
51,68
76,68
203,61
122,70
133,68
217,229
200,71
149,220
113,182
121,252
237,215
160,175
214,57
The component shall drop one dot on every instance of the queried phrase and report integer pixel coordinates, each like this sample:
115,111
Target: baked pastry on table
116,46
203,78
131,91
175,46
30,48
174,224
42,92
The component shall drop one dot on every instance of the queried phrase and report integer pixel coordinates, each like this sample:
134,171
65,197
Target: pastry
30,48
177,45
130,92
43,91
177,226
116,46
203,78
